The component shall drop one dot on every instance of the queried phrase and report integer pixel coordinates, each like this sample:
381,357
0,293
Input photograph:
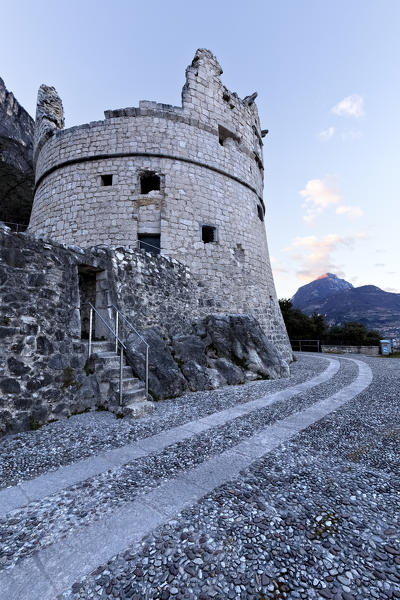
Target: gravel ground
317,518
294,526
36,526
304,522
27,455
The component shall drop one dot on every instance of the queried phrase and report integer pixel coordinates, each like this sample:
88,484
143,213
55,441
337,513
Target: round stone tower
185,181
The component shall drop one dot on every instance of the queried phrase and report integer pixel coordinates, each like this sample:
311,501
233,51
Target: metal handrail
119,314
117,340
19,225
140,243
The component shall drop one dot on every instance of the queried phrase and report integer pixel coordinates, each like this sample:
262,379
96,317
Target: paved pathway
45,568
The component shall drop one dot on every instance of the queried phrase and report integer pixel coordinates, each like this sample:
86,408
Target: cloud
393,290
350,134
326,134
351,106
319,194
353,212
315,256
379,265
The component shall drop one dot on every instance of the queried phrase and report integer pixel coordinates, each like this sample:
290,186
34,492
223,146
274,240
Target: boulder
165,377
240,339
220,350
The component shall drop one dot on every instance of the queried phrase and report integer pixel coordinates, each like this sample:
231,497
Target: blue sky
327,75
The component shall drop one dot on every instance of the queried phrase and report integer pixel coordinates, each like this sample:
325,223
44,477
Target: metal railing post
121,366
116,331
147,371
90,330
300,345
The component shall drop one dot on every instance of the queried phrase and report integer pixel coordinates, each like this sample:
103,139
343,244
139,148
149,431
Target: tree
301,327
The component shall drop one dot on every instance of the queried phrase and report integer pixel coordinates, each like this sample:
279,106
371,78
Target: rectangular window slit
149,182
208,234
106,179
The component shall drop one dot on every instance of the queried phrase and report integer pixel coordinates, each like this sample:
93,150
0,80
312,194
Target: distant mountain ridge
340,302
16,169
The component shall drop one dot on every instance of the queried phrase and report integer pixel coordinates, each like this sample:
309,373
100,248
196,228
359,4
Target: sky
327,73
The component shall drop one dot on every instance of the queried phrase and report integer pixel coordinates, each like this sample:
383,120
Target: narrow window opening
106,179
150,242
208,234
260,212
149,182
224,134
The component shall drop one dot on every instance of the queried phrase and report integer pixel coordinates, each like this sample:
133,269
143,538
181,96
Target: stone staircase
107,366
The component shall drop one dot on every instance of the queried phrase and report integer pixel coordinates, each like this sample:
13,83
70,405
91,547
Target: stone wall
208,156
368,350
44,373
42,359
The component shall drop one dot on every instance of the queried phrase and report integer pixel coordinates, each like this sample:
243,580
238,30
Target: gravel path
319,517
27,455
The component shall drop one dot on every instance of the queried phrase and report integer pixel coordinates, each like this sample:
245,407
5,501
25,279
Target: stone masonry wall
44,372
367,350
42,359
208,155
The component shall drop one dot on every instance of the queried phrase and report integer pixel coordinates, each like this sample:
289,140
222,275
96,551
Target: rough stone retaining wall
42,361
368,350
44,373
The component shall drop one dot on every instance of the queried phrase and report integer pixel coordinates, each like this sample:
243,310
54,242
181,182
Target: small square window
149,182
150,242
208,234
106,179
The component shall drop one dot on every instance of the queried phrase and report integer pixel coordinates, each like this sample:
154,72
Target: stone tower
186,181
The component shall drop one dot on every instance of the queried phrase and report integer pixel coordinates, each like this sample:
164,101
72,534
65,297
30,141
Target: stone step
138,409
131,383
134,395
104,346
113,373
108,355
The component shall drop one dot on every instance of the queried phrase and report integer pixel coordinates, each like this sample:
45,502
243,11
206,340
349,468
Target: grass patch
34,425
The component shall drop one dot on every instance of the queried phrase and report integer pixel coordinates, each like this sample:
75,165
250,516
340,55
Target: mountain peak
340,302
326,276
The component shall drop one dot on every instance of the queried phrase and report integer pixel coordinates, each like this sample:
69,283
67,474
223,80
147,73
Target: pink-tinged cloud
352,212
319,194
316,255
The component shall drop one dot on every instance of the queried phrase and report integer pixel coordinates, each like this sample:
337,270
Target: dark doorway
93,288
87,292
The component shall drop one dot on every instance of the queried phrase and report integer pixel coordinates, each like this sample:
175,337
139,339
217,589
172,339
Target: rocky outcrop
16,170
220,350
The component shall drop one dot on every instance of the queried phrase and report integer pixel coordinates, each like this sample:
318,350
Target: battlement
206,104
